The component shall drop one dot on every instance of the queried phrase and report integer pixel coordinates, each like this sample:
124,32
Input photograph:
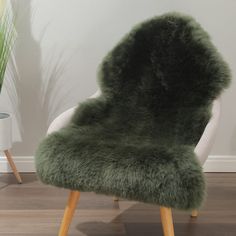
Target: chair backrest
159,81
167,61
168,69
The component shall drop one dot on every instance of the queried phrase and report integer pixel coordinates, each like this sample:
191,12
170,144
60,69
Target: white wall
61,42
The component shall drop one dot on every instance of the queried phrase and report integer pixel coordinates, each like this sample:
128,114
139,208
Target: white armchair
201,150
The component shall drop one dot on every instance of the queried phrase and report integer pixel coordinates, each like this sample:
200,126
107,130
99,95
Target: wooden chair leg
69,212
194,213
167,221
13,167
115,199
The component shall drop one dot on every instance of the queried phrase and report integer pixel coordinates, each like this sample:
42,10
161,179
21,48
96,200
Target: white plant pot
5,131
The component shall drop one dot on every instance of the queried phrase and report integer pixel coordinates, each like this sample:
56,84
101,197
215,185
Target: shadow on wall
28,59
32,102
40,89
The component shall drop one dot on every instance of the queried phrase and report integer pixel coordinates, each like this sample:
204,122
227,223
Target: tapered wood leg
115,199
167,221
69,212
13,167
194,213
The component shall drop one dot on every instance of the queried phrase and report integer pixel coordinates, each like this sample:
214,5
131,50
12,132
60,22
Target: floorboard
35,209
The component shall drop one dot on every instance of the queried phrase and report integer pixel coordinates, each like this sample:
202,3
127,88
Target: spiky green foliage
7,37
137,139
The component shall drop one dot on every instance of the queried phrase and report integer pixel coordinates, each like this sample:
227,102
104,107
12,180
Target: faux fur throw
137,140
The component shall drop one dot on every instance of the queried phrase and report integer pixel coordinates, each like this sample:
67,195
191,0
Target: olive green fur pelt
137,139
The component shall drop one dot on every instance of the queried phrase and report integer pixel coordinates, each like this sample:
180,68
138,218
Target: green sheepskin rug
137,139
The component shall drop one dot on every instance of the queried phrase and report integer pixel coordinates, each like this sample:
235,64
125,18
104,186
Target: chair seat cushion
169,176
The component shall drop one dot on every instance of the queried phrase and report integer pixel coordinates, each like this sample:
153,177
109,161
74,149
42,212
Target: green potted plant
7,38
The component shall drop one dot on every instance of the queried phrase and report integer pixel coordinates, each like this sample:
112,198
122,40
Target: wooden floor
34,209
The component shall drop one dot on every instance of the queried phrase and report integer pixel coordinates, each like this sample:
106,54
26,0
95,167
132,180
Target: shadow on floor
134,222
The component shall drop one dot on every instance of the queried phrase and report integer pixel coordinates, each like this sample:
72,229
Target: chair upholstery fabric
137,139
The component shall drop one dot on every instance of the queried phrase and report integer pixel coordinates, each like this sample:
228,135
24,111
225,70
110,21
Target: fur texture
137,139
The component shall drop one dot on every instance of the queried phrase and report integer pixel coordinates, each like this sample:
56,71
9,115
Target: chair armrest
203,148
64,118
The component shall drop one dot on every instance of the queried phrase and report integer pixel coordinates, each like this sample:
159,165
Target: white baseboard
220,164
23,164
213,164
